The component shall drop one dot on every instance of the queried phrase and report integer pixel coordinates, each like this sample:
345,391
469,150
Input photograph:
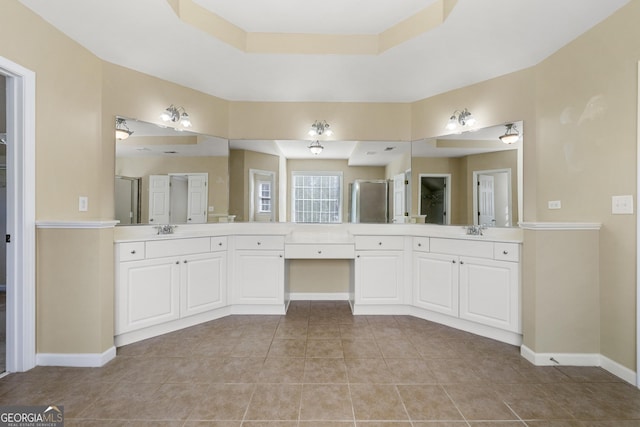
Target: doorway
492,198
435,198
262,195
19,112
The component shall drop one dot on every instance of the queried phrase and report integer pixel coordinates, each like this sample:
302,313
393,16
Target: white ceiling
479,40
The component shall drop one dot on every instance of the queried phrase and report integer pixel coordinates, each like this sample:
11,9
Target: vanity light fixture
319,128
316,148
176,115
460,119
511,135
122,130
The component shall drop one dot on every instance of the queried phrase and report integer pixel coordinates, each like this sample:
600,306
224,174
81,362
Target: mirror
290,183
467,178
164,175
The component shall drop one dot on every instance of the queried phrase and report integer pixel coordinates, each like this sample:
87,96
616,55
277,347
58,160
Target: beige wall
217,169
578,107
586,151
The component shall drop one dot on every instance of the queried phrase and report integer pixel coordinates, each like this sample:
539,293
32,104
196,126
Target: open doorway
435,198
262,186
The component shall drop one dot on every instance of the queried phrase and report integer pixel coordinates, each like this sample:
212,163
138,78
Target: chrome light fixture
319,128
316,148
511,135
122,130
460,119
176,115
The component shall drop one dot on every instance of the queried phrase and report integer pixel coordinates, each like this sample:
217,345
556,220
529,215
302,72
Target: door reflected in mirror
468,178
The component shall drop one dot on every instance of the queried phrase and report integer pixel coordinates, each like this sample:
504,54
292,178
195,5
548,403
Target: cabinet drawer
365,243
421,244
461,247
260,242
173,247
131,251
506,251
297,251
218,243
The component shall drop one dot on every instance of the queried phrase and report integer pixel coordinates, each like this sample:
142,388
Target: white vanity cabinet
474,280
165,280
258,270
379,270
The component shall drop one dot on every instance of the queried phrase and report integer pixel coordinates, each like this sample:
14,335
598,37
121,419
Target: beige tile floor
319,366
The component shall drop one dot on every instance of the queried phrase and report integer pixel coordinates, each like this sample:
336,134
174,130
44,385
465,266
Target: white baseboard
302,296
579,359
78,360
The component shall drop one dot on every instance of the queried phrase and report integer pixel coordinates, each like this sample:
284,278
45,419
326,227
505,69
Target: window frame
338,174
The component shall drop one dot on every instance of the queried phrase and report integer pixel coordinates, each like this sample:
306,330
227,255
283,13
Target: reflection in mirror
166,176
468,178
310,198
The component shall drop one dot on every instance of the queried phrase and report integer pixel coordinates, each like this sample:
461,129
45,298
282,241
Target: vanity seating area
166,282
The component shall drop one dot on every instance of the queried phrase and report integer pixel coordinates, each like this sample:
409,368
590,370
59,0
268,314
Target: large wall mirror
164,175
468,178
348,181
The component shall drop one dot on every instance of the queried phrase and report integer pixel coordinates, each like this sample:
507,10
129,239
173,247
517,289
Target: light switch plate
83,203
622,205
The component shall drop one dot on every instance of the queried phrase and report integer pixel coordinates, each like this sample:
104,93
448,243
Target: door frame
21,212
475,191
447,201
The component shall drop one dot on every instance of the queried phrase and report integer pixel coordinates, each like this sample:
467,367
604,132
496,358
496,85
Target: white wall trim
560,226
638,236
315,296
78,360
76,224
21,213
579,359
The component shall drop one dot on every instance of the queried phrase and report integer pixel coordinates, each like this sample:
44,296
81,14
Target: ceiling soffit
298,43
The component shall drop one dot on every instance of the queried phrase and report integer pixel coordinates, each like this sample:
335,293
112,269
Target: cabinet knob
150,219
319,252
357,256
453,261
177,262
259,243
133,252
280,255
184,262
505,252
419,244
219,243
461,262
188,219
379,243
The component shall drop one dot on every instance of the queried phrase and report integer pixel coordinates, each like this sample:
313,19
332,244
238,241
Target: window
264,196
316,197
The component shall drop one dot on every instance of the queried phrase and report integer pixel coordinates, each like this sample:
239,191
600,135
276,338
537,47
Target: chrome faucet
476,230
165,229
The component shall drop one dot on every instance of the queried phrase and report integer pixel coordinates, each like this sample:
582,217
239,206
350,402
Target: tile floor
319,366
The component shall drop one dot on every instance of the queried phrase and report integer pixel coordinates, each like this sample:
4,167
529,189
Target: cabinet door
147,293
203,283
378,277
435,282
258,277
490,293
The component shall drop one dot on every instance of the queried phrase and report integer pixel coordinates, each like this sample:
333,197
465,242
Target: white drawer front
298,251
173,247
421,244
260,242
218,243
131,251
506,251
365,243
461,247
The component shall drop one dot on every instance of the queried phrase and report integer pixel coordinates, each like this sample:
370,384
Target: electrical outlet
83,203
554,204
622,205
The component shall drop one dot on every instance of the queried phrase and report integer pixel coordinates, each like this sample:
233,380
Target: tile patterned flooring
319,366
